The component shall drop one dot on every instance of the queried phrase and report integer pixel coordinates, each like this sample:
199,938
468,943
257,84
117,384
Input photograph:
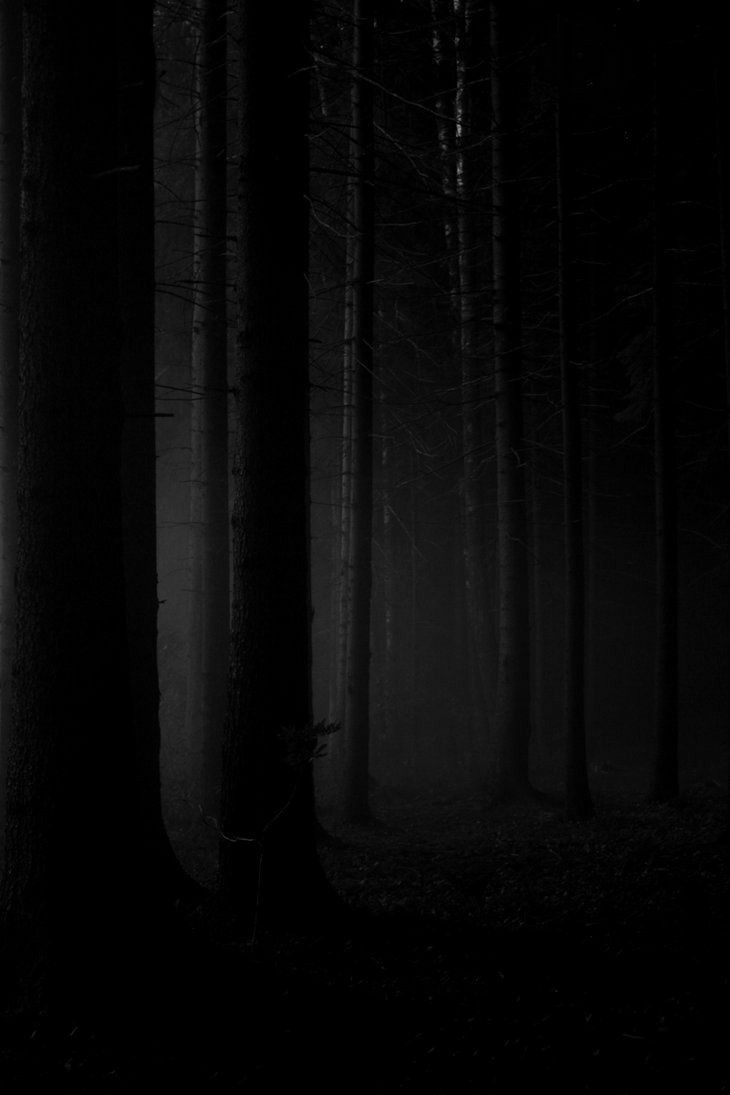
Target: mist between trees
413,306
406,328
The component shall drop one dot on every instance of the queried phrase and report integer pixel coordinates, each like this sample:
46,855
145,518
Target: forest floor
489,953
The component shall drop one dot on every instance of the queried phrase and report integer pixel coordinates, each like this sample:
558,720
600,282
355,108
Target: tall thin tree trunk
137,357
577,792
666,666
389,584
357,698
10,155
209,520
538,547
268,857
341,630
513,670
722,90
472,387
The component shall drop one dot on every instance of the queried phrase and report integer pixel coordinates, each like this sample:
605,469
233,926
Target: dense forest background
365,516
426,721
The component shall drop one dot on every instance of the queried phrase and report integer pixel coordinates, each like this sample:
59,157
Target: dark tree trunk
10,146
357,696
71,901
472,389
722,91
268,859
341,628
209,519
136,81
513,670
666,666
577,792
389,571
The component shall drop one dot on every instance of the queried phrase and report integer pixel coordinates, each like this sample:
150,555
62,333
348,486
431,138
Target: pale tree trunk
268,859
446,128
209,520
10,149
357,697
450,20
513,670
577,793
666,665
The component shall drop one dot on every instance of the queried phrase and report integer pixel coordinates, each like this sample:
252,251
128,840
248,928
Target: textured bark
268,860
513,670
10,114
666,664
209,518
577,792
69,899
357,697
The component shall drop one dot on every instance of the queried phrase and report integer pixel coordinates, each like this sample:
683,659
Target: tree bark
209,517
357,698
72,905
577,792
472,389
268,860
136,291
513,669
10,152
341,629
666,665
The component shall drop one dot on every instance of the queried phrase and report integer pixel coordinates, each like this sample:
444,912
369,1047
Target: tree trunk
513,669
268,859
666,666
389,565
71,900
472,389
10,148
341,629
209,519
136,272
577,792
357,698
722,90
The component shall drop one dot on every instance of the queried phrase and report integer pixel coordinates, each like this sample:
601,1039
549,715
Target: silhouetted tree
513,670
666,666
577,792
136,267
77,888
10,79
268,857
357,677
209,519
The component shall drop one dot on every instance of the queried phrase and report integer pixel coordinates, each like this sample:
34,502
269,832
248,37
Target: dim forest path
487,953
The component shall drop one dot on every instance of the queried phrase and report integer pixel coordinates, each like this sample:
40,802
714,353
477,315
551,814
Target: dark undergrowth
484,953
